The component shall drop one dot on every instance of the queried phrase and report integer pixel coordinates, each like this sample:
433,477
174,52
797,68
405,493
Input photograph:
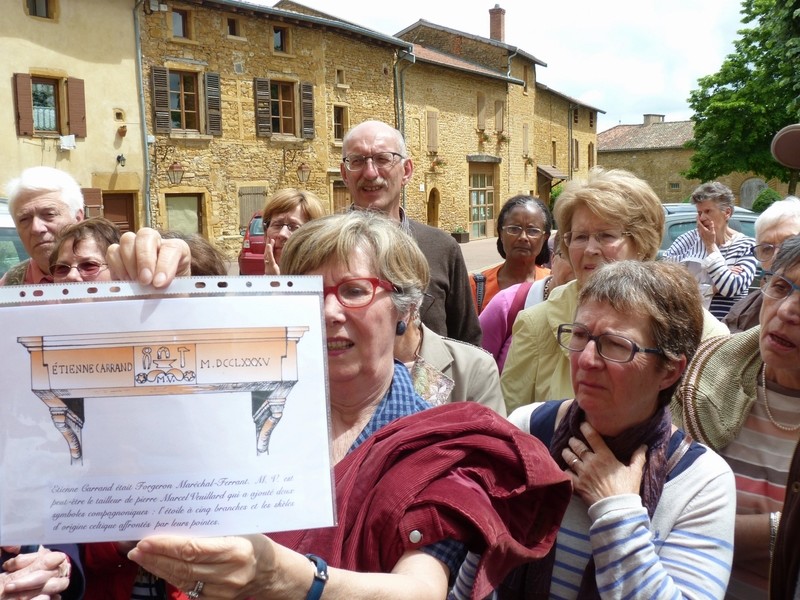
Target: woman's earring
401,327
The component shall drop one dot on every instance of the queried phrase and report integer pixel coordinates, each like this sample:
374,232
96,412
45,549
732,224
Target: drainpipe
508,118
143,119
400,97
570,140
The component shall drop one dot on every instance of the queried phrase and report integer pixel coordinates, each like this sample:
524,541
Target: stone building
655,150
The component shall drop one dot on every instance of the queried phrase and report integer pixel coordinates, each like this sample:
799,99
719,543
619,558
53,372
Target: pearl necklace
763,381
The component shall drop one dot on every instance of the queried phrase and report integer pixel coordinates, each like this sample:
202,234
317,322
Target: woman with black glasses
652,511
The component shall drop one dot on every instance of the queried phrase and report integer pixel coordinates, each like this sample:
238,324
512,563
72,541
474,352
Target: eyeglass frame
80,267
768,275
568,241
635,348
757,248
346,160
292,227
535,236
374,281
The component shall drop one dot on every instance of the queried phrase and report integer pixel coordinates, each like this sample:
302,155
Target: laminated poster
199,410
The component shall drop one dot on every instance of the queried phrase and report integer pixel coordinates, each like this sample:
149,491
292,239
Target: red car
251,256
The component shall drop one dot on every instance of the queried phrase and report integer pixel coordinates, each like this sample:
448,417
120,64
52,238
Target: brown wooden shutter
213,104
76,107
23,94
433,130
92,202
481,111
499,115
159,77
307,110
263,100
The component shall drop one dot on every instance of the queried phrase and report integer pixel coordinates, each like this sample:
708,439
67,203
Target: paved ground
480,254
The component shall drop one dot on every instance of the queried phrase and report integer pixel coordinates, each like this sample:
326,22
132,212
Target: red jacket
458,471
110,576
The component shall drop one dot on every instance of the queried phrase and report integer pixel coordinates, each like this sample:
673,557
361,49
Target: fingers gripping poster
202,410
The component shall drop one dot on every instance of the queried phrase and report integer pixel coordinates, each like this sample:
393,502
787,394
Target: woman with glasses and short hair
80,251
283,214
741,396
613,215
523,228
652,511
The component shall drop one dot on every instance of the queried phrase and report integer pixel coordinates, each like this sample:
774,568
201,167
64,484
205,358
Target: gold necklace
763,377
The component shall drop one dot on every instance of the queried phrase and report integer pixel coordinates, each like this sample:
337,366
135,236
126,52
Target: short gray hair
787,209
713,190
46,179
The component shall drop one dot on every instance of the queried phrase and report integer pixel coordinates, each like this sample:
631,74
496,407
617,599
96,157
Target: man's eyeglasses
610,346
580,239
764,252
778,287
87,268
359,292
515,230
380,160
279,225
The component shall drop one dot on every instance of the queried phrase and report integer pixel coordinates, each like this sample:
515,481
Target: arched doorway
750,190
433,208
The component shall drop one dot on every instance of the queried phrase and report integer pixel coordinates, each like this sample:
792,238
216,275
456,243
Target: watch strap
320,577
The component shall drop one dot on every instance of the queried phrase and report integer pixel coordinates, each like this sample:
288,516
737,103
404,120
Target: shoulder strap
516,304
480,287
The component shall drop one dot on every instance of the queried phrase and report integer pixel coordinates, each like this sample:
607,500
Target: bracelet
774,521
320,577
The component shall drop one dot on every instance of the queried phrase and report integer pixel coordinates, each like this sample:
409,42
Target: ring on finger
582,452
573,461
198,589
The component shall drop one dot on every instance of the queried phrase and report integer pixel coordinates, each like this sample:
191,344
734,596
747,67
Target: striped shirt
760,457
715,268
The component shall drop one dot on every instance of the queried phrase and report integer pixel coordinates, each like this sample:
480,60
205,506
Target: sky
625,57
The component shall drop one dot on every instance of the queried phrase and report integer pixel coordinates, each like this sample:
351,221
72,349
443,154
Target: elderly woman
284,212
497,318
740,396
524,225
652,511
370,284
611,216
718,256
778,222
79,253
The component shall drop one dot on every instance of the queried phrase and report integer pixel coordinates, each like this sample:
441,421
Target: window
576,161
481,111
184,213
590,155
179,102
41,8
181,27
341,81
575,116
554,152
340,122
276,108
49,105
280,39
591,118
499,115
251,199
674,186
233,26
432,119
481,203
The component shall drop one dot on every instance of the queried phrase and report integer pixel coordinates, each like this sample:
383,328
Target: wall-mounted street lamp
175,173
303,172
121,160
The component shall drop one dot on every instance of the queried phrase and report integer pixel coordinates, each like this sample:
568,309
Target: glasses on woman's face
605,238
278,226
778,287
765,252
380,160
358,292
610,346
86,268
515,230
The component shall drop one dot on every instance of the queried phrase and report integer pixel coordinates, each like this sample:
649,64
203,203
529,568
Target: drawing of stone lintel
65,369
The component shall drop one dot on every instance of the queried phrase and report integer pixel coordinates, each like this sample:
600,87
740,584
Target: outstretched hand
146,257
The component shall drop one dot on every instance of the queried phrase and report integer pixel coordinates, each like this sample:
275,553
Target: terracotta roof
656,136
432,56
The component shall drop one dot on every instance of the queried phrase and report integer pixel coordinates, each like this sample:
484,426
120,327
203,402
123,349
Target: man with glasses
375,167
778,222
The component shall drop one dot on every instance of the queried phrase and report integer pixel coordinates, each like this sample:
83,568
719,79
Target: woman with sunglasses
523,228
741,396
284,212
652,511
80,251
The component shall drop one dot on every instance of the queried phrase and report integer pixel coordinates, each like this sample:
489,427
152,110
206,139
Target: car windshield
257,226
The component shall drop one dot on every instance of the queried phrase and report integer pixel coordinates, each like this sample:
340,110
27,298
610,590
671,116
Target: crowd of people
581,420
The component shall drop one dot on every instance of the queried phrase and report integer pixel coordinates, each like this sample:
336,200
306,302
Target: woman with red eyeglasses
80,251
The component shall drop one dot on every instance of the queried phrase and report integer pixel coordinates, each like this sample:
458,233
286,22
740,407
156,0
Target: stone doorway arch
433,207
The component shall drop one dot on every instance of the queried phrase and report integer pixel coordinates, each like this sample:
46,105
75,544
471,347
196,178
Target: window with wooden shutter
251,199
159,77
213,104
23,103
525,140
307,109
262,99
92,202
433,130
499,115
76,107
481,111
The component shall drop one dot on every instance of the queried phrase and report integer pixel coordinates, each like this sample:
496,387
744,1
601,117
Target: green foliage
459,229
765,197
738,110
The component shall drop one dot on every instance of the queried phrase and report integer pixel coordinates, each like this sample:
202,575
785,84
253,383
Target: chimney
497,23
649,119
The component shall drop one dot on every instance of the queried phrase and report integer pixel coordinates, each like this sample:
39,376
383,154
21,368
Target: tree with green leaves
738,110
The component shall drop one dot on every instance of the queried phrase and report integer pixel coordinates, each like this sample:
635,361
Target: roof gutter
400,95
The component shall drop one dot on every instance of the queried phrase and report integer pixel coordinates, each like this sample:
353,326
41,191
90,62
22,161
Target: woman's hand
228,567
596,473
270,264
146,257
35,576
708,234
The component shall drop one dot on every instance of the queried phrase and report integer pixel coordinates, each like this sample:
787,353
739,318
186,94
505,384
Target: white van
11,250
